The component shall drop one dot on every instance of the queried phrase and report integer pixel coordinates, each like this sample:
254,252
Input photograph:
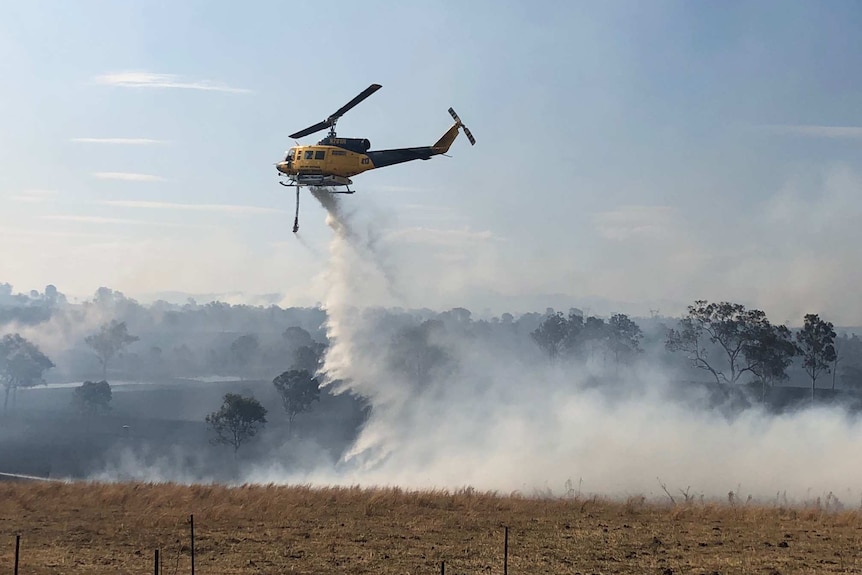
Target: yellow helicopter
332,162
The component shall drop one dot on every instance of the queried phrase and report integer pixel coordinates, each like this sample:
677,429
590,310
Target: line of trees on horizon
725,341
714,345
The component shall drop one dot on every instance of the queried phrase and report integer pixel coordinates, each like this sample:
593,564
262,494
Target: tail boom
381,158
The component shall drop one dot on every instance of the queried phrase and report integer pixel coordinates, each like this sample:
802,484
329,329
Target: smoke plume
497,420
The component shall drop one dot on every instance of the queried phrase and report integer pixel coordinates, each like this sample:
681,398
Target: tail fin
443,144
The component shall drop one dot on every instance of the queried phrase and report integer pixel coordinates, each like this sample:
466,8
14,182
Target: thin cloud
814,131
33,196
122,141
150,80
224,208
29,233
441,237
128,177
104,220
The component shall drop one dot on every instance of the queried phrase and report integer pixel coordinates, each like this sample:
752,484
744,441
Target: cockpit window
289,155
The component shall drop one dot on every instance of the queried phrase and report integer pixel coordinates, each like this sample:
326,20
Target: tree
238,420
112,338
243,351
591,336
729,326
296,337
575,335
850,349
22,364
624,337
551,334
771,352
298,391
93,397
308,357
52,296
848,353
415,353
816,342
457,315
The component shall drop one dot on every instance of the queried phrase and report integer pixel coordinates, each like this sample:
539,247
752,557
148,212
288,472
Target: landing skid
298,186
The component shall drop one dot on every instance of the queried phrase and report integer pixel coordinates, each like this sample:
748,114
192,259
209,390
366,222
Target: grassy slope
102,529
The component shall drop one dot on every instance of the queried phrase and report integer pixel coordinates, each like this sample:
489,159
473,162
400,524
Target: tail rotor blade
469,135
463,127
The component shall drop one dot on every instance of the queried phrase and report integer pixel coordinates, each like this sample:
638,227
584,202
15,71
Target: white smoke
501,422
63,331
358,280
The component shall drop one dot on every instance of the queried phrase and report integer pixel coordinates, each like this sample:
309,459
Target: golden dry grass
114,528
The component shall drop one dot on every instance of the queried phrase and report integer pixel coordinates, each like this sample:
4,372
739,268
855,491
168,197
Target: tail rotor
463,127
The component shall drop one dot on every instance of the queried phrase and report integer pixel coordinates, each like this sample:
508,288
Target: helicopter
333,160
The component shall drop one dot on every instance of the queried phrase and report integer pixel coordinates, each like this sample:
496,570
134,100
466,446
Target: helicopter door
320,159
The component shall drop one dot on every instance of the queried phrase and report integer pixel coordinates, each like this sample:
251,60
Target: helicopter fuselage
324,160
334,160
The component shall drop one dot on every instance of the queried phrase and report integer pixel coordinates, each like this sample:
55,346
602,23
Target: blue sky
631,156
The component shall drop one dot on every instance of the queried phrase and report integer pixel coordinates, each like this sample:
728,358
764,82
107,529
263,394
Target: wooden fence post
506,552
192,522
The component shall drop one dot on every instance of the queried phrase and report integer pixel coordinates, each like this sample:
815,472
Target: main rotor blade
340,112
312,129
362,95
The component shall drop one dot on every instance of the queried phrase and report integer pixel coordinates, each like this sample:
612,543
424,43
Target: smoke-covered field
433,432
499,421
445,403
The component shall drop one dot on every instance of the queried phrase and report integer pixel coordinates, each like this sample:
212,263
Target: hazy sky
639,154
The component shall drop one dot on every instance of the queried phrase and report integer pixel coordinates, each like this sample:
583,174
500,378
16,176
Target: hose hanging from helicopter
296,217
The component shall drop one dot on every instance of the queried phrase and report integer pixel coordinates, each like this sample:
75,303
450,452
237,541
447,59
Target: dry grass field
114,529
